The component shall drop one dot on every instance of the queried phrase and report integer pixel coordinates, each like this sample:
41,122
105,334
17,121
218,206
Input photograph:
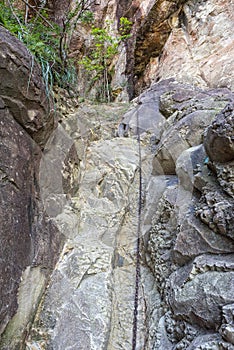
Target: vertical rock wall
191,41
29,240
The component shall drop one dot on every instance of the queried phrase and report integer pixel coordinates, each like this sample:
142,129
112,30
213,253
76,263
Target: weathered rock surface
212,341
192,224
191,41
225,176
201,289
29,241
87,179
91,293
200,47
219,138
23,90
189,111
215,209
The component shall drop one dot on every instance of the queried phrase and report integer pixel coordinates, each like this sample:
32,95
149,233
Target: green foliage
125,27
98,60
87,17
49,44
8,20
42,38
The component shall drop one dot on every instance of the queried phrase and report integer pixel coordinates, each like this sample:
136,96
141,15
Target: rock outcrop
187,224
191,41
198,228
70,193
29,241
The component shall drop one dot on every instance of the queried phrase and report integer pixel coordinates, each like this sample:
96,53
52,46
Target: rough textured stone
152,34
29,240
215,209
190,40
198,291
189,164
160,237
191,110
195,238
200,45
23,90
89,184
227,328
225,176
211,342
219,137
91,294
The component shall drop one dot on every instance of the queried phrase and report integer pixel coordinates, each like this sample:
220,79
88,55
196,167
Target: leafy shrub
42,38
97,61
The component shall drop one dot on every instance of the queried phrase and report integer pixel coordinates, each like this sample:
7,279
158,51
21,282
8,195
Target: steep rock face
29,240
186,294
189,40
23,90
91,293
200,47
89,186
189,245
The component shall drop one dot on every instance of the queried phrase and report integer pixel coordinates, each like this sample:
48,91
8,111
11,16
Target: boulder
215,209
188,165
198,291
219,137
192,112
195,238
211,341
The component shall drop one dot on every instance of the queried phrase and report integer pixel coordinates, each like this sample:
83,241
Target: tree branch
38,13
14,14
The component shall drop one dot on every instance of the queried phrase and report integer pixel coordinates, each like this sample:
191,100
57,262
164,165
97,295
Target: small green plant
87,17
125,27
97,62
46,40
42,40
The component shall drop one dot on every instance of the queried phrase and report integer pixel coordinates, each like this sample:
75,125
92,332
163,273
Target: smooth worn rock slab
29,241
91,294
145,114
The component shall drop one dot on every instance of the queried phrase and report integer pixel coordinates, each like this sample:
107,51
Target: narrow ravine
91,293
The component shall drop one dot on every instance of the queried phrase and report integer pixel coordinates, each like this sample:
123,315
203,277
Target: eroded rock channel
69,198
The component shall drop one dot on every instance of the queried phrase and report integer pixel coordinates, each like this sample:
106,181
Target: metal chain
138,270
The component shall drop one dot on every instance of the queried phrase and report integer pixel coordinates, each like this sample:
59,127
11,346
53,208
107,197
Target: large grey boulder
192,111
198,291
211,341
